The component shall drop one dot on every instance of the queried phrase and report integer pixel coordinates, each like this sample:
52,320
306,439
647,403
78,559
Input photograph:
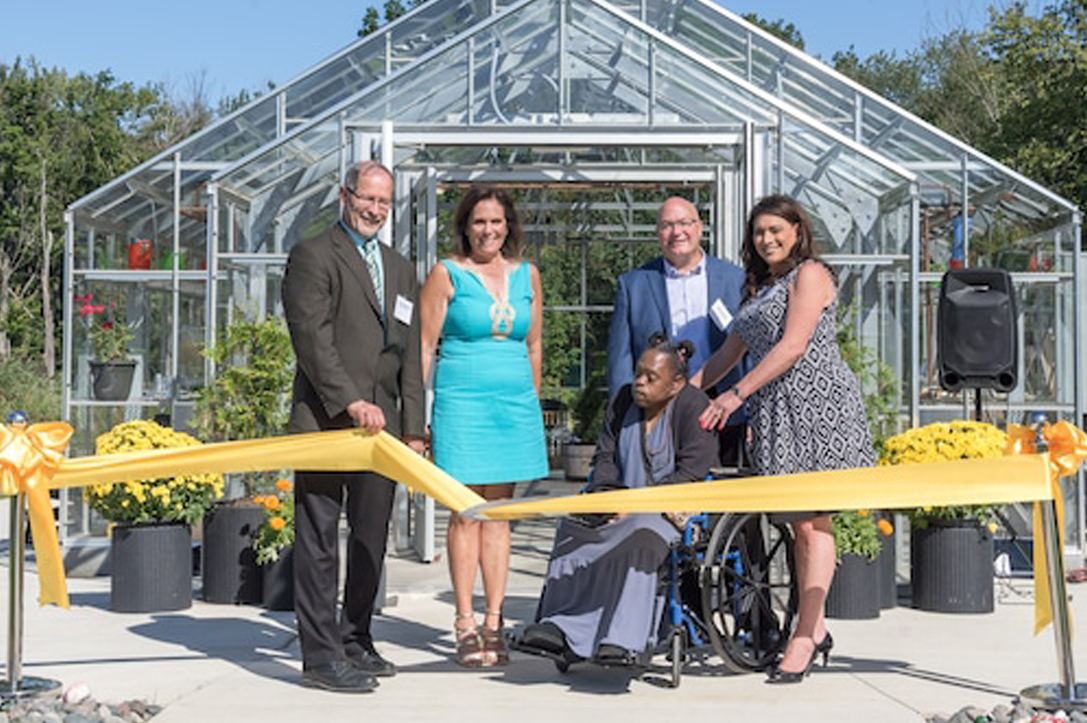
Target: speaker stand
977,404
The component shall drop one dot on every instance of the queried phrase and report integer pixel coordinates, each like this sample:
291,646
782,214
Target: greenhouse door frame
416,223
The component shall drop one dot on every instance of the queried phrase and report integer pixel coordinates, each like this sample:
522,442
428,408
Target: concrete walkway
235,663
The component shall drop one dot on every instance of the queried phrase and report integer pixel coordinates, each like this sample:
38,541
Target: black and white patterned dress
812,417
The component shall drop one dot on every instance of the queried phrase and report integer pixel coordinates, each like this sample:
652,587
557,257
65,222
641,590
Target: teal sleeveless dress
486,425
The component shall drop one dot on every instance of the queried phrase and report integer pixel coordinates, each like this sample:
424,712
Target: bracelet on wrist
736,390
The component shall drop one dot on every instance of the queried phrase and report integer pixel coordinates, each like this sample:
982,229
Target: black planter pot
854,591
112,381
951,567
888,584
230,570
151,567
278,581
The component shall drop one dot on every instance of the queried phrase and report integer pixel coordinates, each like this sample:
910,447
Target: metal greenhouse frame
594,110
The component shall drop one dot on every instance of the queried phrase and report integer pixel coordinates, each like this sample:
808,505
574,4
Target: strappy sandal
469,643
494,642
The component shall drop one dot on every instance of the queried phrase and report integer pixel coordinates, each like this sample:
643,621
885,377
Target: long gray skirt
602,582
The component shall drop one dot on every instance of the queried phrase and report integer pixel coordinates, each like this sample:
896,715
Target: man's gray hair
362,169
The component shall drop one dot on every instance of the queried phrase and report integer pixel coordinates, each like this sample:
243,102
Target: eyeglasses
383,203
685,224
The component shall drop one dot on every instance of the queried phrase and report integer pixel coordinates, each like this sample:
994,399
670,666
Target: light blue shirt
688,302
371,254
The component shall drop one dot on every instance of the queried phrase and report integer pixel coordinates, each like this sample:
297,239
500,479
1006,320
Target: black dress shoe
823,647
608,654
369,661
339,677
545,636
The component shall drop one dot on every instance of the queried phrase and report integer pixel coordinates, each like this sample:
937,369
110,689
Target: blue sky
242,44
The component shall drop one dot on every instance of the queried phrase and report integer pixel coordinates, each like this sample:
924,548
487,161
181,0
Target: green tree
1042,126
779,28
393,10
60,138
371,21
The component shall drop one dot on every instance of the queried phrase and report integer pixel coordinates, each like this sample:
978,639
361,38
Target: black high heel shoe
823,647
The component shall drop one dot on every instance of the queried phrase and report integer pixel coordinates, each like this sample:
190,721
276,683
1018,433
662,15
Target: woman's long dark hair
511,249
788,208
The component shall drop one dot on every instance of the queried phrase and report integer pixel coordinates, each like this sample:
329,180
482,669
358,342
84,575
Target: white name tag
720,315
402,310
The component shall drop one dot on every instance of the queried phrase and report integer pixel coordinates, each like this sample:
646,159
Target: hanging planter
151,567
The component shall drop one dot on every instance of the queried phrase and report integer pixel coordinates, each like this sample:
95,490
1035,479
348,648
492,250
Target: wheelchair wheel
676,647
749,590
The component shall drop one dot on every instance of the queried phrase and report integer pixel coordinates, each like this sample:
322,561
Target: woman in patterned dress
804,404
485,305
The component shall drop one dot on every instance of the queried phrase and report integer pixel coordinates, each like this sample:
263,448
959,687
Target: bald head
680,233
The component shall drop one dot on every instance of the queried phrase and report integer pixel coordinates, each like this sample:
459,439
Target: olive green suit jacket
346,348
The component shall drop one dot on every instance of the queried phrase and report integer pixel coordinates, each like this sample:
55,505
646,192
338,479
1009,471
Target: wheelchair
729,586
736,590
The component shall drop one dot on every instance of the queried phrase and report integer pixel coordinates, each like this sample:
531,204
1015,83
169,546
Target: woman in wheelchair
601,599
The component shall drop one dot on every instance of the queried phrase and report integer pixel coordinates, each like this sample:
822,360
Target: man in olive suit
351,308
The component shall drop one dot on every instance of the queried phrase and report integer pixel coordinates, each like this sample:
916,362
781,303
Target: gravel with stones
1019,713
53,709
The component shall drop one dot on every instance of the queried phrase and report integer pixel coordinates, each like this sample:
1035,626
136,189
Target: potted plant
274,546
151,540
855,590
247,399
951,548
111,368
588,410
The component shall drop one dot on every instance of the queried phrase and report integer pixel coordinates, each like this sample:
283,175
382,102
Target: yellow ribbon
1024,477
29,457
1067,449
30,462
968,481
32,458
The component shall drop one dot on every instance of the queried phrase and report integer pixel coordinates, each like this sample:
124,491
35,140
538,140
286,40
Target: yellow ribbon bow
29,457
1067,449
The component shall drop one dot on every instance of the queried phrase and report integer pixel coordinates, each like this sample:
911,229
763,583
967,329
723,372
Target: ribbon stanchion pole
1066,694
16,685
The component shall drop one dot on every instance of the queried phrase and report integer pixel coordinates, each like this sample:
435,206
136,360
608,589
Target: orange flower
886,527
277,523
283,485
259,499
862,513
271,503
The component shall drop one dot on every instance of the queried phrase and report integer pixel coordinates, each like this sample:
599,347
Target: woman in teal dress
485,307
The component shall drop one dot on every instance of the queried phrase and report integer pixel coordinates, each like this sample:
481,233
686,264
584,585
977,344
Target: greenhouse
593,112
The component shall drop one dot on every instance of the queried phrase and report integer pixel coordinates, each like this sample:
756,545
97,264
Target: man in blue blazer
686,294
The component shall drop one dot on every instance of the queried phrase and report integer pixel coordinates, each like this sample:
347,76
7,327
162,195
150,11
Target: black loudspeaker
977,337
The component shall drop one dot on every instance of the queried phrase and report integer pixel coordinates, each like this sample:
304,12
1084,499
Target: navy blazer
641,309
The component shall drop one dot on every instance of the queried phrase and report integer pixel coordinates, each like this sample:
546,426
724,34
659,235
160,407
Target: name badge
720,315
402,310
